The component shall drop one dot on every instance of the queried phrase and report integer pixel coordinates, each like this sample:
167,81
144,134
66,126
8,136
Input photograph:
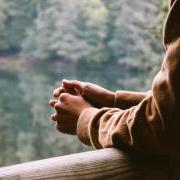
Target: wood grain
98,164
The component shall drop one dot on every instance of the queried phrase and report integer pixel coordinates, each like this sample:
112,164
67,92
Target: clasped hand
72,98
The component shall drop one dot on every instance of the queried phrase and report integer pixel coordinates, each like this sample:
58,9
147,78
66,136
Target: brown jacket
147,122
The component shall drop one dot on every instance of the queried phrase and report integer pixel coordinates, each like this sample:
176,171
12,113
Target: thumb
73,84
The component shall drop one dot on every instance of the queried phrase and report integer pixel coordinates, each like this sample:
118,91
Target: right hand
96,95
68,109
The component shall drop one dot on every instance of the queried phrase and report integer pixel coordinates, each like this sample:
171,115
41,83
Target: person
145,122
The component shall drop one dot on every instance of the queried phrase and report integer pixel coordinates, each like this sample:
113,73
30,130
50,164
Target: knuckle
55,92
51,102
54,117
76,83
63,97
57,117
87,86
57,106
61,89
58,90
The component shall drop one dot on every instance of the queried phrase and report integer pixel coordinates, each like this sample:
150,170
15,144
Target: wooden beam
98,164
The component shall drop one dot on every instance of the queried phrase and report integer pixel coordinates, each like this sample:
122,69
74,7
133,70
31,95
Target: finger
52,102
55,117
58,91
74,84
57,105
60,127
60,106
70,91
64,97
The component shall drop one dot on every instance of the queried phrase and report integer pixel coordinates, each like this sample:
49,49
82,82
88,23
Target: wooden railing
98,164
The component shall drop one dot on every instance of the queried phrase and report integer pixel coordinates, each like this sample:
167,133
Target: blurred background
116,44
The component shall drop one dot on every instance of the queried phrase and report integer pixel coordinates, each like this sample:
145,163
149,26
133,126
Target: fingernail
65,80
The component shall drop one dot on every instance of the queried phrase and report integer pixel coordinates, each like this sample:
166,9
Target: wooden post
99,164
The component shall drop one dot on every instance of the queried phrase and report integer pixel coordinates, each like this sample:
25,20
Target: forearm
152,126
140,128
127,99
134,128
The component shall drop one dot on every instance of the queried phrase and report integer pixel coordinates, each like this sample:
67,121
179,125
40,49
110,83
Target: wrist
84,107
111,98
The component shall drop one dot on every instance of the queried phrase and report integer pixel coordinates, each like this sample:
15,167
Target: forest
116,44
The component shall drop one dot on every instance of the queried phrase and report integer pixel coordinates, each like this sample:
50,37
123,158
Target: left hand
68,109
96,95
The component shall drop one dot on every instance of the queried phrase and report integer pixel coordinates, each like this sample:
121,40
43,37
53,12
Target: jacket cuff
83,125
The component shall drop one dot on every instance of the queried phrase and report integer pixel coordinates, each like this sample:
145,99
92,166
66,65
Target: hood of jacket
172,26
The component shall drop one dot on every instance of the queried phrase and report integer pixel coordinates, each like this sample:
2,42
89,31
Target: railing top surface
99,164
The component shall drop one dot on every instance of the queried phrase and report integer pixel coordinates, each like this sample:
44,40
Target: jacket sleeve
127,99
151,125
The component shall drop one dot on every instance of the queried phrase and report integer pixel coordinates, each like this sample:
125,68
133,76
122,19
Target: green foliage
86,30
117,44
101,32
26,131
71,30
15,17
11,103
